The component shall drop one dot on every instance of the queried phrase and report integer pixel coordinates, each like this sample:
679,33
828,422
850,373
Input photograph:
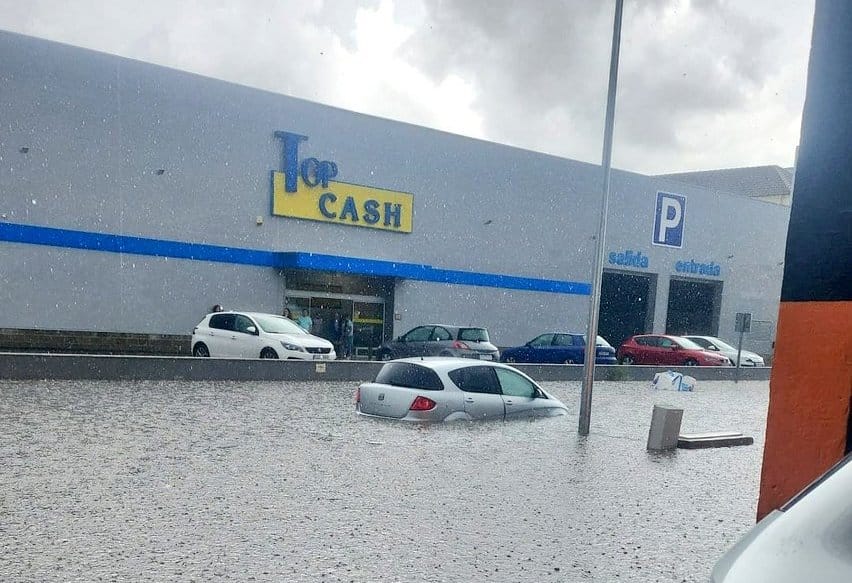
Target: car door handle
508,401
468,400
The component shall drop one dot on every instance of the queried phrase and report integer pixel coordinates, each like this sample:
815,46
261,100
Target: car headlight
292,347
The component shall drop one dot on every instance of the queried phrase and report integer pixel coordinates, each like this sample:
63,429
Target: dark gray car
441,340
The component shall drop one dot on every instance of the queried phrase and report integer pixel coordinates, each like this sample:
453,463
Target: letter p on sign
669,219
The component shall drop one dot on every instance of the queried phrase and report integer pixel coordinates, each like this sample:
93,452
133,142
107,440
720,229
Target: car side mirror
252,330
539,394
713,347
400,339
675,347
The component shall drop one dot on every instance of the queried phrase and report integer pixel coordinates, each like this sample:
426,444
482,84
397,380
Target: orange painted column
811,385
810,394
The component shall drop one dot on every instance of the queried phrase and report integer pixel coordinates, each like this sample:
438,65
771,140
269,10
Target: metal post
739,354
595,300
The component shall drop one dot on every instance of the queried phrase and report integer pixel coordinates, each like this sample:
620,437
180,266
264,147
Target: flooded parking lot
268,481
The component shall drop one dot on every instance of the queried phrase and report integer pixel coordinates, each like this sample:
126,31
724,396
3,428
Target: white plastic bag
672,381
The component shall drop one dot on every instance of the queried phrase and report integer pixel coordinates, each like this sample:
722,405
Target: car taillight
422,404
358,395
460,344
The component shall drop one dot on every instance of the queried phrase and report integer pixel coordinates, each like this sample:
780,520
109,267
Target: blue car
559,348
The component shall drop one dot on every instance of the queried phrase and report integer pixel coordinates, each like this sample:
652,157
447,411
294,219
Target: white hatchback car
718,345
256,335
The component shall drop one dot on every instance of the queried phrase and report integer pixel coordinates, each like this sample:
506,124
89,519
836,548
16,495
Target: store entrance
327,314
694,306
627,305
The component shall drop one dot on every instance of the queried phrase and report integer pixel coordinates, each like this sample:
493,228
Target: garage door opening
627,305
694,307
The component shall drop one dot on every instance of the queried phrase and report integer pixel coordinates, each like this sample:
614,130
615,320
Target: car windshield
688,344
278,325
601,342
722,345
473,334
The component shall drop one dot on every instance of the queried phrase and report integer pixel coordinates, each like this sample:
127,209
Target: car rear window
473,334
413,376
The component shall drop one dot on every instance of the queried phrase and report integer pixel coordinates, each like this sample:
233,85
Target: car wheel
569,361
268,353
510,359
200,350
691,362
627,359
386,355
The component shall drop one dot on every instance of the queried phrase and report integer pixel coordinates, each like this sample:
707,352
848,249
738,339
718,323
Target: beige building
767,183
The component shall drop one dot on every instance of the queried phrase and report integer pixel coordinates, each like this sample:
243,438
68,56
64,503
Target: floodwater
185,481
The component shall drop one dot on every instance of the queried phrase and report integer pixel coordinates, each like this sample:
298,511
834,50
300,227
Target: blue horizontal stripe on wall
134,245
423,272
73,239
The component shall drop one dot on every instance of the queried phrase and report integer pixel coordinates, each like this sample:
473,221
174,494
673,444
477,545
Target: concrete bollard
665,428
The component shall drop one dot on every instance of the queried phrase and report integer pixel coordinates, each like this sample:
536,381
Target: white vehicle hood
305,340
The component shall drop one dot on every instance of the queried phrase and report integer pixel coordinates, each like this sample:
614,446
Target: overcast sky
703,83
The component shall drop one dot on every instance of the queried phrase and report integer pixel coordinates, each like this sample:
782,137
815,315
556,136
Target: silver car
447,389
808,539
714,344
441,340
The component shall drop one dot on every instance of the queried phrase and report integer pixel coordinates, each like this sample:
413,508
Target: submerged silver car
447,389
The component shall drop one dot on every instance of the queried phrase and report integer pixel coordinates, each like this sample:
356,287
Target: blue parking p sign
669,219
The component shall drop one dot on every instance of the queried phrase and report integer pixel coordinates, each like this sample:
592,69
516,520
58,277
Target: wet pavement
283,482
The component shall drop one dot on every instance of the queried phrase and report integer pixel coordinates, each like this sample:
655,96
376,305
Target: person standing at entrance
347,336
305,321
337,334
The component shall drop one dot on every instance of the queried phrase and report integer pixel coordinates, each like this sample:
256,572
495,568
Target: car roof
252,314
669,336
448,363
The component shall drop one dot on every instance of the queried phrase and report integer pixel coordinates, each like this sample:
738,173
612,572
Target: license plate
318,356
603,353
485,357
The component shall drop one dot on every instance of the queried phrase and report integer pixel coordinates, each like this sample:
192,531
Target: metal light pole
595,302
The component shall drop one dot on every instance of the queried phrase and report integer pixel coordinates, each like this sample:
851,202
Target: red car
667,351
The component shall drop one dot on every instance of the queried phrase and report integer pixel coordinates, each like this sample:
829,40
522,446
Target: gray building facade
134,197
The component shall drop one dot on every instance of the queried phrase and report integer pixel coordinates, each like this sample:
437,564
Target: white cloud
703,83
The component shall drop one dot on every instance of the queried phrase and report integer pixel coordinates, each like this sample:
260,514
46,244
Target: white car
717,345
449,389
256,335
806,540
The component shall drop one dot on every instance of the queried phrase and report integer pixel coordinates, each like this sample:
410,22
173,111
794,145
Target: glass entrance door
369,321
367,314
